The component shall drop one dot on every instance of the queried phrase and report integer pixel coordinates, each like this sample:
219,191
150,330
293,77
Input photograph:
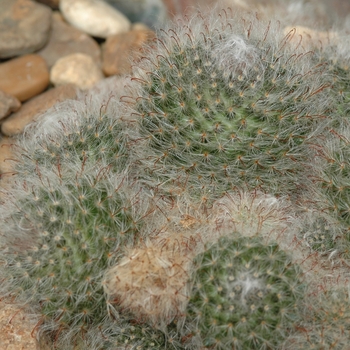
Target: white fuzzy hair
65,116
235,55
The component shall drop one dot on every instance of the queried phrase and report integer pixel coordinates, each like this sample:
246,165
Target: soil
17,329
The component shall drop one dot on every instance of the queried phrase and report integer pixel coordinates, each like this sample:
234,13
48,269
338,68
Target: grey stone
153,13
66,40
24,27
8,104
52,3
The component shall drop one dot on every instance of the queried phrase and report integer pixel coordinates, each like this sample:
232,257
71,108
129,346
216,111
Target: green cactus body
96,139
331,186
325,324
340,80
66,219
236,114
245,295
319,235
329,192
132,336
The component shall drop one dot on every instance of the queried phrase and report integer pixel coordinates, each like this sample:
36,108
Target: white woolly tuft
235,56
65,116
151,283
248,284
253,213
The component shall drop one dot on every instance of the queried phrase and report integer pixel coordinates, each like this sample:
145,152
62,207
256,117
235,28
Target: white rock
94,17
78,69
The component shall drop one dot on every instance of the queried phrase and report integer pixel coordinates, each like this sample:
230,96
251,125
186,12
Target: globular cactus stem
245,295
67,216
225,103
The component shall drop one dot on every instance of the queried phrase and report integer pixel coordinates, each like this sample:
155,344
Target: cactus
245,295
319,235
252,213
86,132
222,105
340,88
325,324
133,336
126,334
329,192
68,215
95,236
335,58
330,188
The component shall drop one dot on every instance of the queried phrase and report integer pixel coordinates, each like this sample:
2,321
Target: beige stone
7,174
32,109
6,166
139,26
66,40
8,104
78,69
119,51
94,17
24,77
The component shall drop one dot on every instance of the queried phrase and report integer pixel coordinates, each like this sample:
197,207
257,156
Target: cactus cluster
198,205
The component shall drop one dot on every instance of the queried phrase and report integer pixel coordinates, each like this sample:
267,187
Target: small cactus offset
245,295
253,213
328,192
319,234
325,322
140,336
200,204
331,187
